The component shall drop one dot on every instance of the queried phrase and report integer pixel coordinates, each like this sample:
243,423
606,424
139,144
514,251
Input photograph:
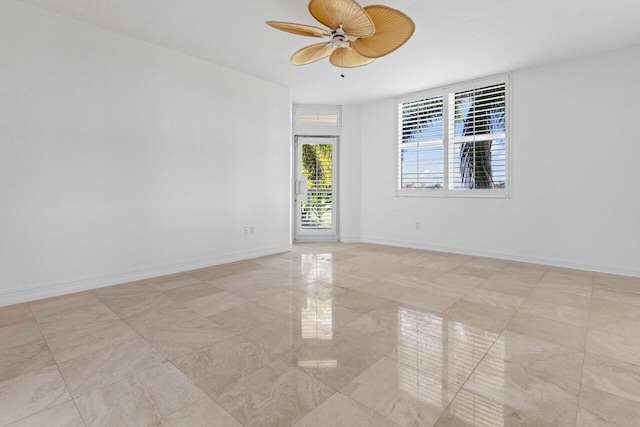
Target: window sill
456,194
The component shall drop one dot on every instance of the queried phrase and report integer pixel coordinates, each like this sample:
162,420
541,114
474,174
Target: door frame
335,237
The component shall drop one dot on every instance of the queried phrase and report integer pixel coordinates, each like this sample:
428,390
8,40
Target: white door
315,196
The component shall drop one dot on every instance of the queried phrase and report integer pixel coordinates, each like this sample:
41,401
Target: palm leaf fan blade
299,29
312,53
346,13
393,29
348,58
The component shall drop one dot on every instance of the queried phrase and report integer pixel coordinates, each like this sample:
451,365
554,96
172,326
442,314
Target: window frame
445,92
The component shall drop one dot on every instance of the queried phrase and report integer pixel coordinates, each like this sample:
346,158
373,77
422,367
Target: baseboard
47,290
348,239
510,257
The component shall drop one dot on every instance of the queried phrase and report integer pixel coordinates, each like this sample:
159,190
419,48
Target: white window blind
453,141
421,150
325,116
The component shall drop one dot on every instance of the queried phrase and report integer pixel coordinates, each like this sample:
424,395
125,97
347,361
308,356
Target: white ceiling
455,40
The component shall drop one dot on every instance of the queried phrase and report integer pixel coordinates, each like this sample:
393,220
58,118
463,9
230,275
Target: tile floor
331,334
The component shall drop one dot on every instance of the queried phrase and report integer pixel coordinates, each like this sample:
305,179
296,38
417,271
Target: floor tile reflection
446,350
405,394
540,393
470,409
331,334
334,361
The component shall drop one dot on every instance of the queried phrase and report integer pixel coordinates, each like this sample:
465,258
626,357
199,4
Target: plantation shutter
453,141
420,155
477,138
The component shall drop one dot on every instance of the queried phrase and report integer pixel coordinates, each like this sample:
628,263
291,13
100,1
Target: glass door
315,198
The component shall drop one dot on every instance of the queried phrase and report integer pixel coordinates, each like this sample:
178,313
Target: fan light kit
357,35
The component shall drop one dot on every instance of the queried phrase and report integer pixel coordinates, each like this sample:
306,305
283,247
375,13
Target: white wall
350,172
575,174
122,160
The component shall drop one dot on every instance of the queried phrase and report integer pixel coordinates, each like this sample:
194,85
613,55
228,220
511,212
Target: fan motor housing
339,39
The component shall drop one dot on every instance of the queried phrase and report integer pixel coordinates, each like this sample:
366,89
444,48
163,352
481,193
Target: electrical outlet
417,226
252,230
246,230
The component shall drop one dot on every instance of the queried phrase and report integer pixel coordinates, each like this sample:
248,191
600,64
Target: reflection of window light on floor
324,257
420,385
415,370
443,349
315,266
475,410
318,364
472,408
492,381
317,319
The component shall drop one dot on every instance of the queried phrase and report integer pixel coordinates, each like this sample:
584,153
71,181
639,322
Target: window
454,141
325,115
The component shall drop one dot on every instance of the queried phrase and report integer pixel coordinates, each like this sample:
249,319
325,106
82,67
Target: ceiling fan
357,35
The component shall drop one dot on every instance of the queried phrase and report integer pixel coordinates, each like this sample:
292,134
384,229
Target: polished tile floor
331,334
